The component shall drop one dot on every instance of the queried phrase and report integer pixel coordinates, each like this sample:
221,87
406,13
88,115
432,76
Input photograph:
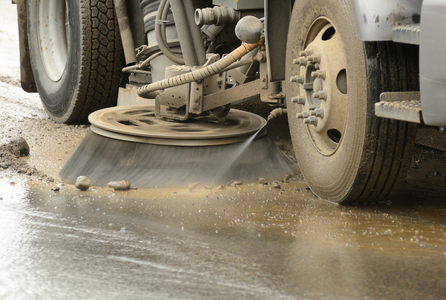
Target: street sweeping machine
158,80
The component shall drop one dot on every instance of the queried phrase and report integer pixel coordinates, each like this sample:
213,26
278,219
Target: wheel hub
53,27
138,123
322,80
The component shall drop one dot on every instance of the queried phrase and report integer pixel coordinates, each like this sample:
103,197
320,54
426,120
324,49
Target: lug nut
311,120
314,58
318,112
297,79
321,95
300,61
298,100
305,53
308,86
303,115
318,74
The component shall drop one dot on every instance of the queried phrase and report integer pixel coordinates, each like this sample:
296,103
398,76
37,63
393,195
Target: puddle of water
246,242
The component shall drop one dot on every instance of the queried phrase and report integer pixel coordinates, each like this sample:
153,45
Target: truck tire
76,56
346,154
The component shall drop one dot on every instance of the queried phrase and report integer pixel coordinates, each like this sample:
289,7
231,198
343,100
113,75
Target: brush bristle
146,165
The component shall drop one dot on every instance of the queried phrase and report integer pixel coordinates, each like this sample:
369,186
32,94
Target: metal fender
374,19
433,62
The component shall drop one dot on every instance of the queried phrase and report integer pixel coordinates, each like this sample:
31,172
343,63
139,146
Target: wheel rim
138,123
53,30
323,94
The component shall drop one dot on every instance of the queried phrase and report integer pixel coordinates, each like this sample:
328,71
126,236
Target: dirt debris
122,185
83,183
263,181
10,154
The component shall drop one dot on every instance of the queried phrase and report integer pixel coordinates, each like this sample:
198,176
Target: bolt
311,120
318,74
298,100
303,115
261,56
314,58
297,79
300,61
321,95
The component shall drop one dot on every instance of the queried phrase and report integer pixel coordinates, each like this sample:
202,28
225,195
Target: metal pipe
136,22
141,65
189,33
126,31
277,112
218,15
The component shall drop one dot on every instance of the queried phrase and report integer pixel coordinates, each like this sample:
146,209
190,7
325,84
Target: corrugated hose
200,74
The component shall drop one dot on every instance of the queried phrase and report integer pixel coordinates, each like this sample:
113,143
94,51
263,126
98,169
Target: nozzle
276,112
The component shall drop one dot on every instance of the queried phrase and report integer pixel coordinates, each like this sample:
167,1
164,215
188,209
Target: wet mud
10,158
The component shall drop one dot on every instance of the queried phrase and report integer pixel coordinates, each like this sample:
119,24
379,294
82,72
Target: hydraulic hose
160,31
199,74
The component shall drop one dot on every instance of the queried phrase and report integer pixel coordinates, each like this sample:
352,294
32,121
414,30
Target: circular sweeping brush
130,143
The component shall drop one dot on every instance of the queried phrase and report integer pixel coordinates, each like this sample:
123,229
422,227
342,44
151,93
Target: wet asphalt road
252,242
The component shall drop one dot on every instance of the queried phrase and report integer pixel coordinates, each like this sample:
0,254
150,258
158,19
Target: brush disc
130,143
138,123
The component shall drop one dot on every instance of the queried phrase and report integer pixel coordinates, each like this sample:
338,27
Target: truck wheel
76,56
346,154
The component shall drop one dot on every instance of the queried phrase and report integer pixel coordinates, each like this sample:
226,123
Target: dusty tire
347,155
76,56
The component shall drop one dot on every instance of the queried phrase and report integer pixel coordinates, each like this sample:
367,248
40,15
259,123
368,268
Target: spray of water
237,153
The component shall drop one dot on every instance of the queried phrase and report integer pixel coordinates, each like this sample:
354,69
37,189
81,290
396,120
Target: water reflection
252,242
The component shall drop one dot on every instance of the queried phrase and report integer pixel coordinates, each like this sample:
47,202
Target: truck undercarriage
353,104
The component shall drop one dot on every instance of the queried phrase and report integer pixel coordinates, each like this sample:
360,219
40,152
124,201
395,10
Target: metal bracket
404,106
236,94
196,97
174,103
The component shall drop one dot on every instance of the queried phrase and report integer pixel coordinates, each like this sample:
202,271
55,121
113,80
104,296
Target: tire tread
102,58
394,140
